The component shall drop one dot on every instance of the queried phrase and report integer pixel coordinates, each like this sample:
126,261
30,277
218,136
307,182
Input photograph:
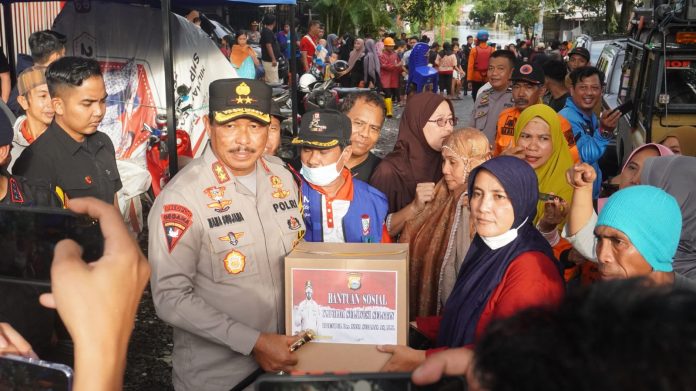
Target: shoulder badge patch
16,195
176,220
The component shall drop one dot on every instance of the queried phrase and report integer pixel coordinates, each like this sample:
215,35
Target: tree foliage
355,16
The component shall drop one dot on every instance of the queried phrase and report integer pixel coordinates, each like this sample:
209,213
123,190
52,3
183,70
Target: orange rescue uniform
471,73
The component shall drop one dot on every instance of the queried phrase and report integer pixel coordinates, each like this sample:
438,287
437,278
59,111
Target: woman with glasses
440,236
243,57
407,175
509,267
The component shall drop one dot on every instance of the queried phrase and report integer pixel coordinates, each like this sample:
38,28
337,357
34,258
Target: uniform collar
345,193
571,103
495,94
222,174
68,142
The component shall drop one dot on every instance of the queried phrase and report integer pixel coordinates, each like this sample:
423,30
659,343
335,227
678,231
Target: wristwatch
607,134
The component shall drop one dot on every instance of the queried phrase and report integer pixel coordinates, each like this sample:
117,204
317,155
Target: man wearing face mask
337,207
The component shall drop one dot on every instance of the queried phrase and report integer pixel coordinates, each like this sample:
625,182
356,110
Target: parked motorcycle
158,153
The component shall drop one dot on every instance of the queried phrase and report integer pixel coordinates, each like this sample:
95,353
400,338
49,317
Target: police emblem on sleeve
354,281
234,262
232,237
216,194
278,191
176,220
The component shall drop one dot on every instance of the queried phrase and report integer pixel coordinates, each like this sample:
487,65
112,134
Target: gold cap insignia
243,90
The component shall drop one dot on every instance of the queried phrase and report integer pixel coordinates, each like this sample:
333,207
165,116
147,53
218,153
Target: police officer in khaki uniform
219,233
490,103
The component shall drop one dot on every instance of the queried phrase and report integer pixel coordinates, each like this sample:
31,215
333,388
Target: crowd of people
507,218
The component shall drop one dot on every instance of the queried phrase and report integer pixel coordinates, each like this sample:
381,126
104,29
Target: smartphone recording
28,237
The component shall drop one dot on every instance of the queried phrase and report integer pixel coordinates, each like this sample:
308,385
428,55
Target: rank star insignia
243,90
278,191
216,194
232,238
220,173
234,262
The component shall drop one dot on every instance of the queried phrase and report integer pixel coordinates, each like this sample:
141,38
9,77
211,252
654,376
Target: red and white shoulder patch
176,220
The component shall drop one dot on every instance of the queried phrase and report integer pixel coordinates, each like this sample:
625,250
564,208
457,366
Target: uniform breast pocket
232,253
75,185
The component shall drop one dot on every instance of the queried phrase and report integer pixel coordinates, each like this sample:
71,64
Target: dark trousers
392,93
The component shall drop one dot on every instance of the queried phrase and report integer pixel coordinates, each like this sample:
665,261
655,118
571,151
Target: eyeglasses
444,121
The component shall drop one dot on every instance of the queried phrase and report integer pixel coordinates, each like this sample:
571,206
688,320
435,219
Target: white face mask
321,176
496,242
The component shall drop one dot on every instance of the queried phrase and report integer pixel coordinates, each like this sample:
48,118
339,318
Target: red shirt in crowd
531,280
308,44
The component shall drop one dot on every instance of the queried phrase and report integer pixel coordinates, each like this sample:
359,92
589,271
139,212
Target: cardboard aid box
354,296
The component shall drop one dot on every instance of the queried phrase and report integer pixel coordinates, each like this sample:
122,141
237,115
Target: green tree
482,13
522,12
355,16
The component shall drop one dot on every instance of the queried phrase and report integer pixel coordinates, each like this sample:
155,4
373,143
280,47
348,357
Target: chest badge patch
176,220
294,223
234,262
278,191
216,193
232,237
220,173
88,180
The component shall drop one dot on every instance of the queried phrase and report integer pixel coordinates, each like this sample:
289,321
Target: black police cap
240,98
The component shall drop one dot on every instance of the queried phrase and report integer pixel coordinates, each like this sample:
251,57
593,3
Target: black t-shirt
363,171
558,104
267,36
86,169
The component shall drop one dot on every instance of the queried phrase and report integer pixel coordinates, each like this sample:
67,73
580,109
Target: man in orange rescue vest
527,89
476,73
